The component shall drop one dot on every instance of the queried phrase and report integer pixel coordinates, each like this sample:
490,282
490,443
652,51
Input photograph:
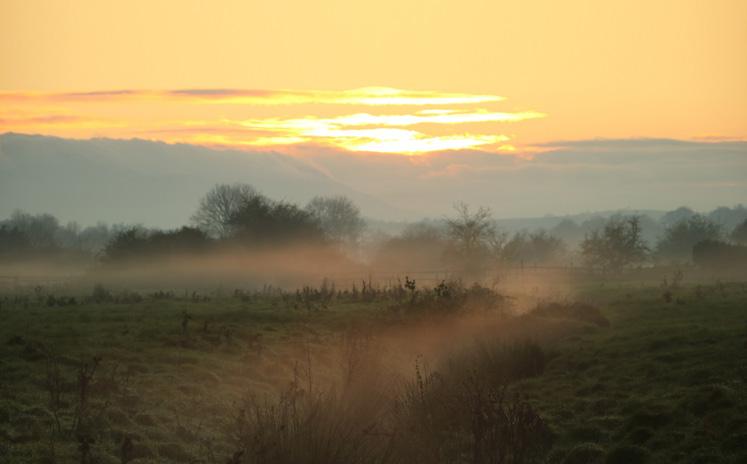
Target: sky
368,78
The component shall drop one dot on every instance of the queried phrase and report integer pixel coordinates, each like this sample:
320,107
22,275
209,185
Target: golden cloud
365,96
169,116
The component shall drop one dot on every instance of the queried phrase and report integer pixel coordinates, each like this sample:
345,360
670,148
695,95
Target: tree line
237,215
472,239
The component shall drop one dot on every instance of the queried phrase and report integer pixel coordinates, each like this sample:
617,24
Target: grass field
635,374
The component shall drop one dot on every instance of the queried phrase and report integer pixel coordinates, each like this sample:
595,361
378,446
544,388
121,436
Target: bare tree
618,245
339,218
220,205
40,229
472,231
474,239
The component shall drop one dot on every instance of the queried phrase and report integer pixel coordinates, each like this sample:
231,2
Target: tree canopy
617,245
262,221
220,205
680,238
339,218
739,234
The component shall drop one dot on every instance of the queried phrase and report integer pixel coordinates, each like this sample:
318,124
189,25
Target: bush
460,414
585,453
448,297
307,427
628,454
100,294
137,244
462,418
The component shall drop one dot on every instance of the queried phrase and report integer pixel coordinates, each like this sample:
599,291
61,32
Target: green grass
168,384
665,382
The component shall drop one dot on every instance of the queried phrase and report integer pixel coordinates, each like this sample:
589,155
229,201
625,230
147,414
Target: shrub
461,418
456,415
100,294
628,454
585,453
307,427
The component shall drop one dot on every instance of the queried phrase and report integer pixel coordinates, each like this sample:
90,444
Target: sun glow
393,120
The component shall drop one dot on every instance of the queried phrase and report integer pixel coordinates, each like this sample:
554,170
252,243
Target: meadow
604,371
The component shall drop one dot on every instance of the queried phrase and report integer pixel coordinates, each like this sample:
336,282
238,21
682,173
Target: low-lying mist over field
239,237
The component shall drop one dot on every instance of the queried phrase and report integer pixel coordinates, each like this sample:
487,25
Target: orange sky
567,70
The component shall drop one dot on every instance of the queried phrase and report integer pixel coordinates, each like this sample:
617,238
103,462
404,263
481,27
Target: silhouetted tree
95,238
728,218
680,214
533,248
183,240
126,245
421,245
339,218
25,235
220,205
739,234
475,239
39,229
135,243
13,242
617,245
261,221
679,239
471,231
423,232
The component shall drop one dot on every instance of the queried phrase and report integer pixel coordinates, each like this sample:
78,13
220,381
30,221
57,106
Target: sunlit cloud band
169,115
366,96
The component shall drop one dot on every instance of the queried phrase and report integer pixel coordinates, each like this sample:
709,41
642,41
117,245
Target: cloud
52,121
643,145
364,96
217,93
94,95
39,120
384,133
391,120
568,177
83,179
169,116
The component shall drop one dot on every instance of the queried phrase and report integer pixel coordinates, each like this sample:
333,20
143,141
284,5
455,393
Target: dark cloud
220,93
645,145
117,180
99,94
52,119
